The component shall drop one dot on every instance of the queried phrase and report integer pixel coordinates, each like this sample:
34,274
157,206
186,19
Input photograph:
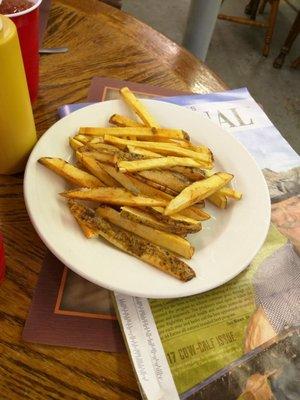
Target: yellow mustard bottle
17,129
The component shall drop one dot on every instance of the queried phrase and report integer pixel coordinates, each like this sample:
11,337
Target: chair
293,33
251,10
114,3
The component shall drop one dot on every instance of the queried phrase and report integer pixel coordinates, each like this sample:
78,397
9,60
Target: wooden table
102,41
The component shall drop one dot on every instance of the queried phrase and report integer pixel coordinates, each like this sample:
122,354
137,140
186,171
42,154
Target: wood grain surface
102,41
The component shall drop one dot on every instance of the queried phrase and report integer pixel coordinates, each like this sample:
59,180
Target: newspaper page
204,333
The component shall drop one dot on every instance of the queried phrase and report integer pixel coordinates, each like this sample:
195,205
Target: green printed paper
202,334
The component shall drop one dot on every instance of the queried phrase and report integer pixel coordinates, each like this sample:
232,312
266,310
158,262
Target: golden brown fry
154,163
123,121
75,144
96,169
233,194
172,180
139,108
198,191
71,173
122,179
142,217
178,220
193,174
169,241
143,152
109,195
102,157
140,131
204,159
101,147
88,231
82,138
218,199
134,245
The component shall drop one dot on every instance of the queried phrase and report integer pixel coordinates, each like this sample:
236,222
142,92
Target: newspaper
185,341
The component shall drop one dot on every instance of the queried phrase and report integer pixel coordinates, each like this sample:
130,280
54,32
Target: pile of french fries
149,185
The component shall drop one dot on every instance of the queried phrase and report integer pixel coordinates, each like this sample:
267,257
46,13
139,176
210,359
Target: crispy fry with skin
169,241
142,217
154,163
177,220
193,174
143,152
96,169
102,147
71,173
163,148
134,131
218,199
169,179
75,144
123,179
133,244
198,191
138,187
82,138
139,108
102,157
109,195
123,121
233,194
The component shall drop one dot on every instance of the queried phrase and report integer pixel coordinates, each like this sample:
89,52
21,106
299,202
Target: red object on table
2,260
27,23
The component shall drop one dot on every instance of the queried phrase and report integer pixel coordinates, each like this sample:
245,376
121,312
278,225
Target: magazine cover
177,344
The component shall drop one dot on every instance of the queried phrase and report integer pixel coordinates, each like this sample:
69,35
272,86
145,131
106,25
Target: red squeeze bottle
2,261
27,23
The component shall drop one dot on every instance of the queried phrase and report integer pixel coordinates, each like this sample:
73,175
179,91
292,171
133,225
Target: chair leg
294,31
251,8
271,26
296,63
262,6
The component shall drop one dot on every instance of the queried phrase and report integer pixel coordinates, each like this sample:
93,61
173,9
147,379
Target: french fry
198,191
109,195
122,179
75,144
218,199
193,174
134,131
96,169
139,108
88,231
155,185
82,138
168,179
133,244
233,194
163,148
142,217
143,152
138,187
154,163
177,220
71,173
123,121
169,241
101,147
102,157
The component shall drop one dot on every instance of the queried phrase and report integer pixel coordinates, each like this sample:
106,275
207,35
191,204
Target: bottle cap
2,260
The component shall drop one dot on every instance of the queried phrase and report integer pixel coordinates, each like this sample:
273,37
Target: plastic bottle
17,129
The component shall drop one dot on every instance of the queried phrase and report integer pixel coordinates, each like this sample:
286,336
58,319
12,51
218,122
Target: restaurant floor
235,55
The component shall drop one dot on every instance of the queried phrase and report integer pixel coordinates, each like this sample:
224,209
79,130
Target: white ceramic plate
224,247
